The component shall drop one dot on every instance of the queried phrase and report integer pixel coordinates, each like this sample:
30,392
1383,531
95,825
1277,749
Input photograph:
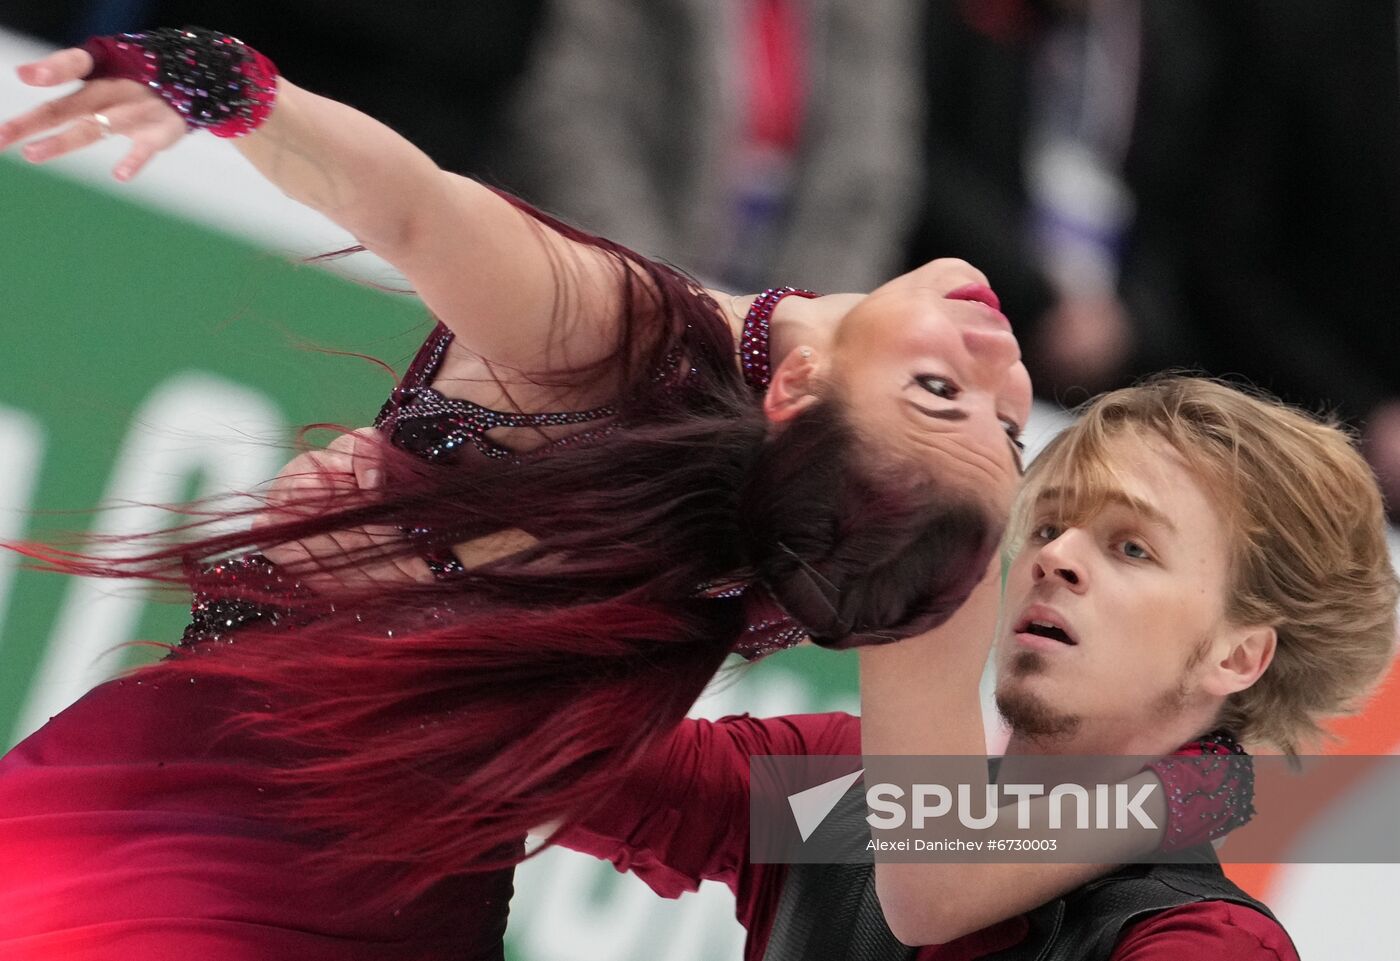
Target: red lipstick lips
984,295
978,293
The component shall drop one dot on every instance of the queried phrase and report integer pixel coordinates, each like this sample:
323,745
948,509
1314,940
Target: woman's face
928,364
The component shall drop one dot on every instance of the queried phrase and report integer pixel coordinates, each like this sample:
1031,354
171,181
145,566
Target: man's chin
1031,716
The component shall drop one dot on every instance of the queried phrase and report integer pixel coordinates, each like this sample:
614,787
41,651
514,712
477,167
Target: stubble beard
1027,714
1031,717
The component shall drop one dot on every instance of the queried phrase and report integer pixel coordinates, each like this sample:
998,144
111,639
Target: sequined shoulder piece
425,364
422,421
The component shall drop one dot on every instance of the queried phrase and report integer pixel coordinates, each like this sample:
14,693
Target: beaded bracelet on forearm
214,81
1209,789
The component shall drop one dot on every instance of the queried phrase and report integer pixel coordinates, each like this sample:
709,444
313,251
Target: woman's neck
797,322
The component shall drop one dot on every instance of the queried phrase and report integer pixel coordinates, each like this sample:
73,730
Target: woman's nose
959,270
993,347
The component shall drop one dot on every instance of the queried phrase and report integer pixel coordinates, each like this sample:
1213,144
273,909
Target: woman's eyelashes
938,386
946,389
1018,449
1013,431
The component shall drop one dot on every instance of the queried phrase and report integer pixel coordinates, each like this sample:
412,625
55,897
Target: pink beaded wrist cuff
214,81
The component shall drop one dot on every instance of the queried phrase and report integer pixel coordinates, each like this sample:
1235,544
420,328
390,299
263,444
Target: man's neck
1131,745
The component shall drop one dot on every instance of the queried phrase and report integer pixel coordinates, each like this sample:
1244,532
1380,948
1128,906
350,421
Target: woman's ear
793,386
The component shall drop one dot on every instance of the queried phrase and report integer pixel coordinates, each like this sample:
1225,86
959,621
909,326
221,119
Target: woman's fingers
152,127
357,453
311,482
363,447
83,132
147,121
61,67
135,160
364,453
54,113
317,481
145,115
129,109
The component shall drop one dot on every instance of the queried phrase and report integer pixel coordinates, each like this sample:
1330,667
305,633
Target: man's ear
1238,660
792,388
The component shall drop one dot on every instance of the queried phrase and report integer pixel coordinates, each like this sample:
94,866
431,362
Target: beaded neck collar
1219,741
753,343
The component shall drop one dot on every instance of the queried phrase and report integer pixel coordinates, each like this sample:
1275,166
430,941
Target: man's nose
1061,559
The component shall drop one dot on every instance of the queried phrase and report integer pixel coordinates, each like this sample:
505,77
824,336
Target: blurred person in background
1065,147
1299,263
438,73
53,20
744,139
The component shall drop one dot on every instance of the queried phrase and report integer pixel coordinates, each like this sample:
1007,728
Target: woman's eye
1045,532
938,386
1014,432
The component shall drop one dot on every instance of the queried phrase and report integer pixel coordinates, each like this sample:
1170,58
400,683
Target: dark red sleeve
1214,930
682,816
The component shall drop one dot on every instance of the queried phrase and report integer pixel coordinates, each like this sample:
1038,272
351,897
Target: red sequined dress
129,833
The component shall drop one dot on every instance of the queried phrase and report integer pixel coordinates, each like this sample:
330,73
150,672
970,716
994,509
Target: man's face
1105,618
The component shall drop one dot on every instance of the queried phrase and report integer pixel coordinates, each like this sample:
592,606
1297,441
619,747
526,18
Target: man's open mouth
1041,626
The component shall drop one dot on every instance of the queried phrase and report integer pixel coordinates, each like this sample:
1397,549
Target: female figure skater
640,508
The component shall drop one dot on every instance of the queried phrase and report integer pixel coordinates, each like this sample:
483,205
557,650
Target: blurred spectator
1301,271
439,73
751,141
52,20
1066,143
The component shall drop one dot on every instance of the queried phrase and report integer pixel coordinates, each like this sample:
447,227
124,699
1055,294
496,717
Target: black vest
829,912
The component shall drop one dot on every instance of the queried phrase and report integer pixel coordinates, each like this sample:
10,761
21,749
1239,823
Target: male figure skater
1186,559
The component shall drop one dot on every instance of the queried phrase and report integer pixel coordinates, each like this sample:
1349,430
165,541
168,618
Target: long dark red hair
424,725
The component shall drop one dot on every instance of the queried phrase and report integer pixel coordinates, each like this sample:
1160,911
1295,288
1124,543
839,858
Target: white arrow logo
810,807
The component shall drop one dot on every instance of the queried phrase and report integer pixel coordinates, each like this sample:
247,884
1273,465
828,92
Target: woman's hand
131,109
346,471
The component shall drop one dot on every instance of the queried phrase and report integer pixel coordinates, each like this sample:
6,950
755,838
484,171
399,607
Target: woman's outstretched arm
495,275
486,269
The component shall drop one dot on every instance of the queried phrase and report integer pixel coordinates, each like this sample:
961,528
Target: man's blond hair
1307,535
